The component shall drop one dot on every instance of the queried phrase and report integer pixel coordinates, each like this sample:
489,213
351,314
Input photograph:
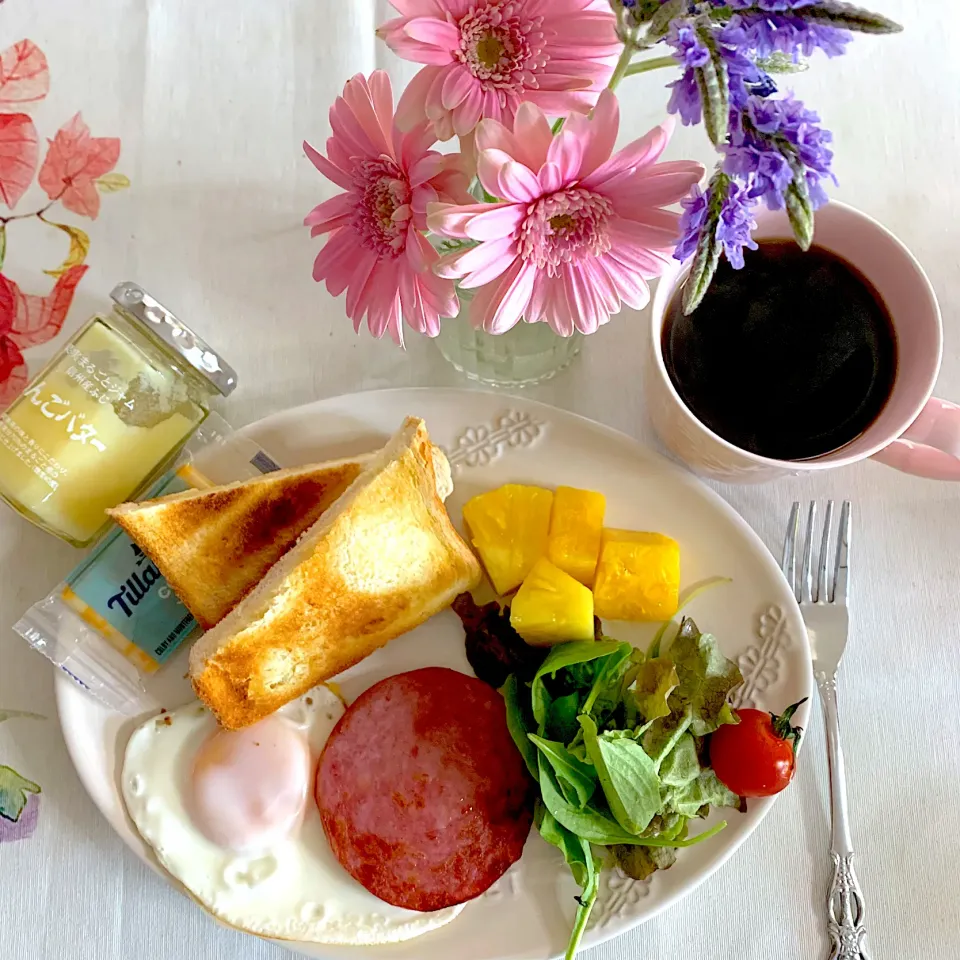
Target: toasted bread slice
382,560
214,545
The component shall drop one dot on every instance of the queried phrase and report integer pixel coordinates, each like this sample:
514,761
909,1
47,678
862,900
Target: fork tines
821,590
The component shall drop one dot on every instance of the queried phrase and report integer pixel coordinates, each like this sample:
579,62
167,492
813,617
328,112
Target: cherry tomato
757,756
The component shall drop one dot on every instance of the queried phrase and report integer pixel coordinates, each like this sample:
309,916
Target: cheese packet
115,619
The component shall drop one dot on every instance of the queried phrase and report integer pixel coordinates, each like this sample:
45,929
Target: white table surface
211,101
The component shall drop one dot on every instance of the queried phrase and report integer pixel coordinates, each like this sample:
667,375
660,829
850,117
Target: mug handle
930,446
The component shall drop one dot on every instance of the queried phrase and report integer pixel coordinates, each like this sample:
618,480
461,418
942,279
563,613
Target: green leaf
847,16
640,863
694,798
800,210
657,680
23,714
3,243
562,717
112,182
680,766
589,824
608,685
79,248
664,735
540,703
707,255
627,776
519,724
574,850
668,826
579,651
560,657
571,771
660,21
594,826
635,862
706,678
13,793
714,84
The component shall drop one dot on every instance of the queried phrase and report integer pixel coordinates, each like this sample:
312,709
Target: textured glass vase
523,356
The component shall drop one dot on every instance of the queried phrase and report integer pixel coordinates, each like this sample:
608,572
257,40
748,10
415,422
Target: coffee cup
914,432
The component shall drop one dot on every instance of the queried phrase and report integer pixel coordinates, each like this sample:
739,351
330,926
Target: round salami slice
423,795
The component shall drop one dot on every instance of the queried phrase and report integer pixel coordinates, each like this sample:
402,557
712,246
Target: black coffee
792,357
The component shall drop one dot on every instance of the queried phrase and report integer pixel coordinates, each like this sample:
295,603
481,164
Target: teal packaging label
121,583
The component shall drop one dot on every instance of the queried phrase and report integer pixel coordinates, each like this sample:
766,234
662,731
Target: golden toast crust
384,560
215,546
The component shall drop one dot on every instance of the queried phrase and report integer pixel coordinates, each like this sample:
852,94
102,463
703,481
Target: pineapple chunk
638,576
509,528
551,607
575,529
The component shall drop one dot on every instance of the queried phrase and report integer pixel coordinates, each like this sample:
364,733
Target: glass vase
525,355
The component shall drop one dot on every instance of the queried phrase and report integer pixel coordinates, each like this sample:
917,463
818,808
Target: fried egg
231,815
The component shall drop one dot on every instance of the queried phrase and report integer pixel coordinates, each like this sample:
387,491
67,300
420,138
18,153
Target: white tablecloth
211,101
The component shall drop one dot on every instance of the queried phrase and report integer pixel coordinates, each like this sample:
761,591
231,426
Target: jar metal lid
164,325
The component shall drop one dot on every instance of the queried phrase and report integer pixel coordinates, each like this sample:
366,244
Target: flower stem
26,216
644,66
623,65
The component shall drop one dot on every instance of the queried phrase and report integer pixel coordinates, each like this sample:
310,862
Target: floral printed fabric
76,169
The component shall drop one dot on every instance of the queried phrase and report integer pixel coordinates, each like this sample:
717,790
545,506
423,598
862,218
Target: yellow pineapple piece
509,527
551,607
575,529
638,576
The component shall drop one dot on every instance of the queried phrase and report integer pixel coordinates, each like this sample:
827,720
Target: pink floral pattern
77,167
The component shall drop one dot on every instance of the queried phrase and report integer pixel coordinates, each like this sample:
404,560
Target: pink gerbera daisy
483,57
376,250
579,232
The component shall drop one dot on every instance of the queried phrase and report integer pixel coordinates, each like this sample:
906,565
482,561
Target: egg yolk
248,788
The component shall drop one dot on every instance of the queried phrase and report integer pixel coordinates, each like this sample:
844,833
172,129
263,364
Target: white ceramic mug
915,432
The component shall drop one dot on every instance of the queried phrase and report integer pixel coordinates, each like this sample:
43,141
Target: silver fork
823,604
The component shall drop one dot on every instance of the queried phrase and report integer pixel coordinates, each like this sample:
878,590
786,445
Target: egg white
295,889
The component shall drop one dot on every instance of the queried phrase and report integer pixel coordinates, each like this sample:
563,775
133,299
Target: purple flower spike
736,222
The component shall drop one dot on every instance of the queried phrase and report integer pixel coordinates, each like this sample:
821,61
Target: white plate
492,439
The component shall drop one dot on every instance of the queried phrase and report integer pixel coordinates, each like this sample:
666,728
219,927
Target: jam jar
107,415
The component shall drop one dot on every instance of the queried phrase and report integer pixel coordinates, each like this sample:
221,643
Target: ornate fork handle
845,901
845,906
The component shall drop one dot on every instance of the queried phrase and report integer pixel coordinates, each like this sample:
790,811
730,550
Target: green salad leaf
562,716
576,778
608,685
664,734
590,823
568,655
706,678
519,723
563,657
627,776
576,852
694,799
656,680
681,765
640,863
615,739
